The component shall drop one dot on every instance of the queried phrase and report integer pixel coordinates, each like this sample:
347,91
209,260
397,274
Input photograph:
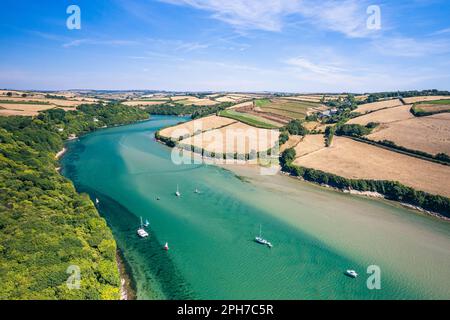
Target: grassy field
286,108
248,119
424,99
425,108
23,102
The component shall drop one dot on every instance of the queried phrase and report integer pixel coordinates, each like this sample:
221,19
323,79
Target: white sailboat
178,194
261,240
141,231
166,246
351,273
97,201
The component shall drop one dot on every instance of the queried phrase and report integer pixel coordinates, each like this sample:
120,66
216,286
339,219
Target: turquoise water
317,234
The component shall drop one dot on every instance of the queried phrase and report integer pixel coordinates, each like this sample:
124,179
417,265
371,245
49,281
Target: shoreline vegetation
47,226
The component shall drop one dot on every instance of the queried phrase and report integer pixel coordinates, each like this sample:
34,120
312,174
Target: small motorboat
142,233
166,246
351,273
178,194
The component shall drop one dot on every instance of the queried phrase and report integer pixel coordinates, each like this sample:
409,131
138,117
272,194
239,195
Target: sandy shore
127,291
60,153
252,172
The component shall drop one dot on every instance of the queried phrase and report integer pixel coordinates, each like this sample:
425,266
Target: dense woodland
194,111
374,97
45,225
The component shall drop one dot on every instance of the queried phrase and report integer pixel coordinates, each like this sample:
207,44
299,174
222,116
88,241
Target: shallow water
317,233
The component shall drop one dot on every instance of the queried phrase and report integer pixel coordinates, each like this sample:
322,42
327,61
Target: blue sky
225,45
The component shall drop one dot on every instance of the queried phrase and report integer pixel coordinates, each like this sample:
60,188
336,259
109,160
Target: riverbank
127,285
61,153
317,233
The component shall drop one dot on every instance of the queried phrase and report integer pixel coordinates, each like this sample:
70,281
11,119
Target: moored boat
351,273
261,240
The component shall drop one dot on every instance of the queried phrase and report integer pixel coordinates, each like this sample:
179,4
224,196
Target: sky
226,45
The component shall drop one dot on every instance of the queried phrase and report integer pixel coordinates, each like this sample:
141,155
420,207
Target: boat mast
260,231
141,223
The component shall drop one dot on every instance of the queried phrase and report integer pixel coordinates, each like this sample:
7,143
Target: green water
317,234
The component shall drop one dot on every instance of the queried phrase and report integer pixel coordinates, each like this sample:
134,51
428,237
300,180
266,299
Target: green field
251,120
24,102
445,101
428,108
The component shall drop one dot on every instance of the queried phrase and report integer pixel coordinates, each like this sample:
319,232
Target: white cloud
410,47
79,42
309,66
347,16
443,31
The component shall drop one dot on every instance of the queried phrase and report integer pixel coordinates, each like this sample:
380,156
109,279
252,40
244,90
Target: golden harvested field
237,137
194,101
54,102
370,107
226,99
17,109
344,159
191,127
384,116
135,103
429,134
242,105
311,125
424,98
310,144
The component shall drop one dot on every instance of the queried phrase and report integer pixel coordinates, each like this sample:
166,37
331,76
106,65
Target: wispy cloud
441,32
410,47
111,42
307,65
347,16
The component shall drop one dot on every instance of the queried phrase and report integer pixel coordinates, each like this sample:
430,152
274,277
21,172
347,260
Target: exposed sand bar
419,244
60,153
